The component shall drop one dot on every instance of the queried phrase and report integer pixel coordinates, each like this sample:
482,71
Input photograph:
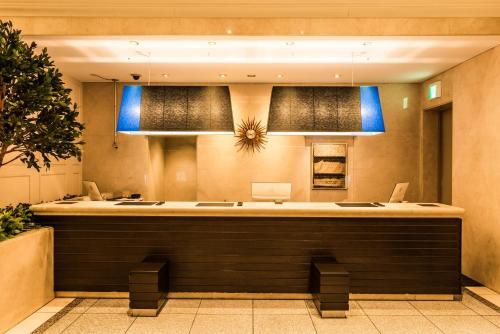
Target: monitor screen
398,194
92,191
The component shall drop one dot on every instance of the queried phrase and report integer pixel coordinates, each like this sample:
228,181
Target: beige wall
21,184
474,87
307,26
126,168
211,168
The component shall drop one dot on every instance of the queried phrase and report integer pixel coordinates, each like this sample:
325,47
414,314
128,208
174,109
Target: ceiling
232,59
253,8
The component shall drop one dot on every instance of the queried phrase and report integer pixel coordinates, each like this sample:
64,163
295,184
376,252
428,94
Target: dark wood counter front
258,254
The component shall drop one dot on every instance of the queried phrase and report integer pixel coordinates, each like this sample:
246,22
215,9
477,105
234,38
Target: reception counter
257,247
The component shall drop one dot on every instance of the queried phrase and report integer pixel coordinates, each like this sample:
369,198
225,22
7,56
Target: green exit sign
434,90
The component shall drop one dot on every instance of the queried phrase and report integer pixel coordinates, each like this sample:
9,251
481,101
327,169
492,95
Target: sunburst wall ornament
251,135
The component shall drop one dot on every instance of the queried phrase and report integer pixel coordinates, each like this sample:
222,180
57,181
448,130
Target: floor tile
481,290
372,307
83,306
477,306
222,324
283,324
181,306
225,306
464,324
31,323
163,324
109,306
442,308
280,307
494,319
62,324
55,305
494,299
404,324
100,323
313,310
358,324
354,309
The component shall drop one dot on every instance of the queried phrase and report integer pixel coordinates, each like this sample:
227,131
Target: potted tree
38,123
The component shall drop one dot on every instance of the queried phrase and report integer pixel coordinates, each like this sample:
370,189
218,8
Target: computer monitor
398,194
271,191
92,191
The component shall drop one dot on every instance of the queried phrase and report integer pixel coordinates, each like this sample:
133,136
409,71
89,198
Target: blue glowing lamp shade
130,109
372,121
175,110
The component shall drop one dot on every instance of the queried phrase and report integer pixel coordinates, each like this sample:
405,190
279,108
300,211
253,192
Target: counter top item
247,209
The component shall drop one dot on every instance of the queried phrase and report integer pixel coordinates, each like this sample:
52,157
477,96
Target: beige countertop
249,209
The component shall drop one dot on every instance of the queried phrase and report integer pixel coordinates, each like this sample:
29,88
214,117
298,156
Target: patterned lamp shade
341,111
175,110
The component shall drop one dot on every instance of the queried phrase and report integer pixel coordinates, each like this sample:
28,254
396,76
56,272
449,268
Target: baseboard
224,295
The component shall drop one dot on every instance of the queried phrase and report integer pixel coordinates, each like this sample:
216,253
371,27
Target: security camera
135,76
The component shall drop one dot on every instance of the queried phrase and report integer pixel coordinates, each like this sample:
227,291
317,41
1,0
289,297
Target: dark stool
330,288
148,287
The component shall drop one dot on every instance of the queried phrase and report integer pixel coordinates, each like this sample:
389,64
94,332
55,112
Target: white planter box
26,275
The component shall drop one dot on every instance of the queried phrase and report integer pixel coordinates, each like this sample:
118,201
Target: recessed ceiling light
222,76
290,43
134,43
165,75
251,75
211,43
337,76
280,76
229,31
302,32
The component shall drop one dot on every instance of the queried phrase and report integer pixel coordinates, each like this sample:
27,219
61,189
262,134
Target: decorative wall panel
21,184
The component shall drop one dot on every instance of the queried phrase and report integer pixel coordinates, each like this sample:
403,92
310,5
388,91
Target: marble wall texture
210,167
474,87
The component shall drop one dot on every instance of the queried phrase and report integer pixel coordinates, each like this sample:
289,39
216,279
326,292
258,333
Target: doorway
437,159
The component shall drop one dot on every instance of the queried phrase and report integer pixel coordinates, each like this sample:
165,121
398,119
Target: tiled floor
209,316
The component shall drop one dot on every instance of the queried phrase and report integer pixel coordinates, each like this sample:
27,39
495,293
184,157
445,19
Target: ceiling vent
325,111
175,110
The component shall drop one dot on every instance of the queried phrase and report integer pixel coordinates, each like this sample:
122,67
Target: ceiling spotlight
302,32
165,75
212,43
280,76
290,43
367,43
229,31
222,76
251,75
337,76
134,43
